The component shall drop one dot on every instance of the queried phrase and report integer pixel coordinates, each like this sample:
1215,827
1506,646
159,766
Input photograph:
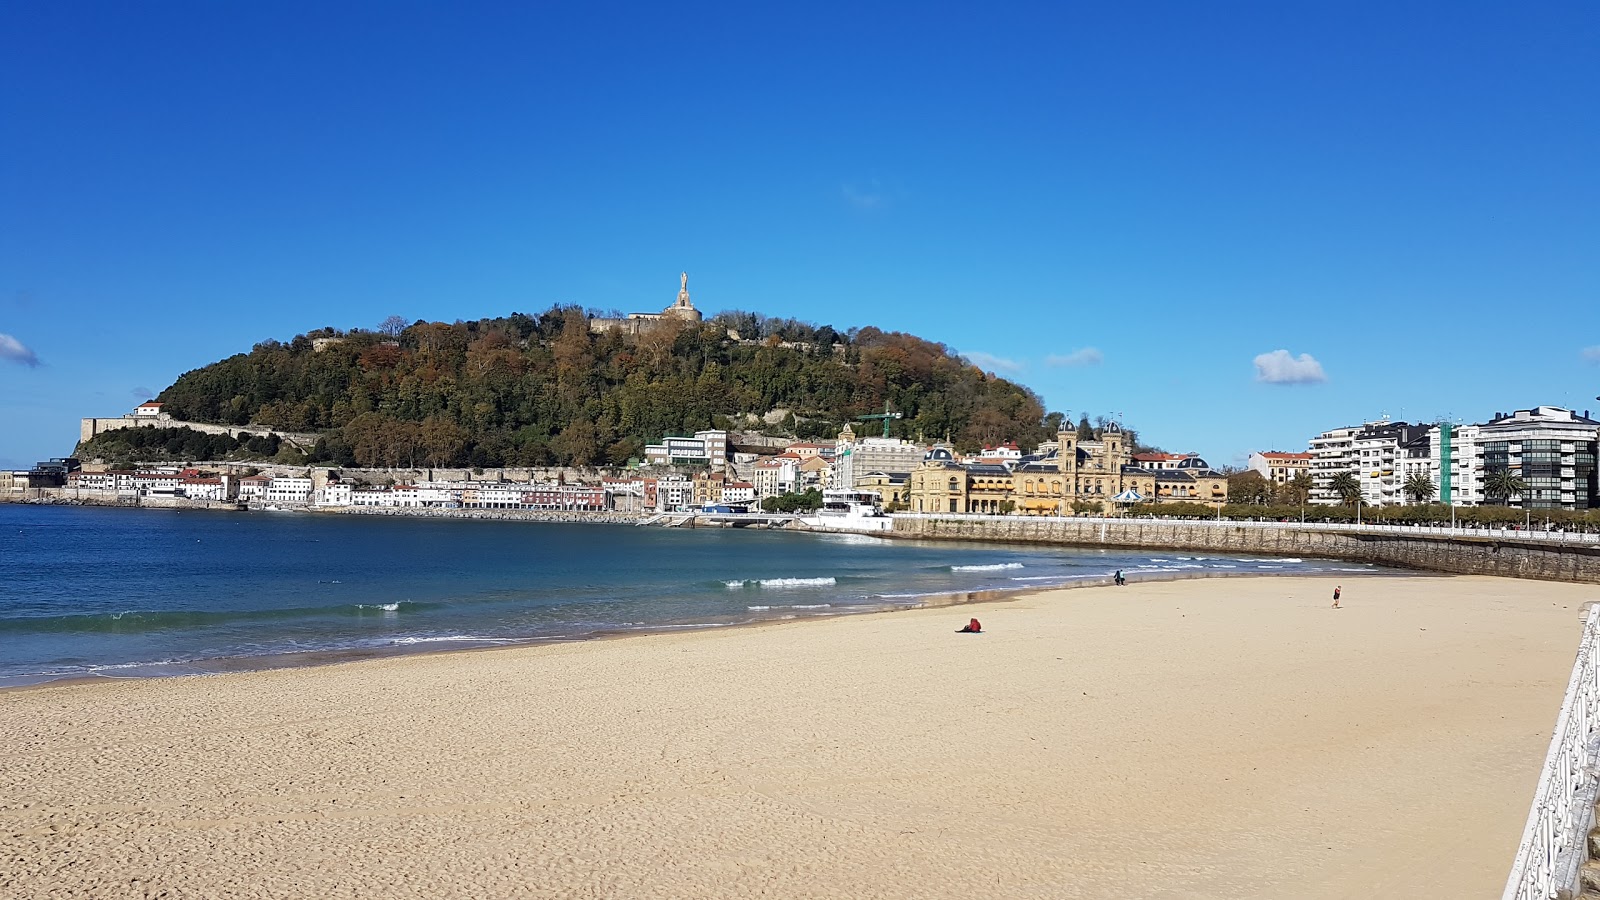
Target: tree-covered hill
541,389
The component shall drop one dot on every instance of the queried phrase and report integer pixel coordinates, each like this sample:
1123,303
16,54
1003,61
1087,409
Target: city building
1551,449
1279,467
855,459
288,489
1075,475
707,449
775,475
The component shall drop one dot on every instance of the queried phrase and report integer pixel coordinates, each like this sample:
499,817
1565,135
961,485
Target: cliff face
547,389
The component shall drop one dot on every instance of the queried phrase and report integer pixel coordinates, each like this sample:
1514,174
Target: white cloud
1283,367
991,362
1591,354
12,349
1083,356
869,196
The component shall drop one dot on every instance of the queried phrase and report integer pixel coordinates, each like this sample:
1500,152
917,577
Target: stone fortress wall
1516,557
88,428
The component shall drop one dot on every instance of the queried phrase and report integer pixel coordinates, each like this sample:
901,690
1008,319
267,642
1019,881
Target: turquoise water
113,592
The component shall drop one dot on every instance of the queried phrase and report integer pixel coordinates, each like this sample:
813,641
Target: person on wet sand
1336,589
1118,580
972,627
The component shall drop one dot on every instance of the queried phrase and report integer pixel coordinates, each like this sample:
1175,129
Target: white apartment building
706,448
156,484
1278,467
288,489
372,497
738,492
1371,452
854,460
1457,481
198,487
335,493
254,487
674,493
1332,452
775,475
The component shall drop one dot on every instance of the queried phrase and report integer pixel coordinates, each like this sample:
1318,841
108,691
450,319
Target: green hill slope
541,389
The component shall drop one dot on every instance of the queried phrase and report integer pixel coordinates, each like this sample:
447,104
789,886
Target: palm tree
1500,484
1347,487
1420,487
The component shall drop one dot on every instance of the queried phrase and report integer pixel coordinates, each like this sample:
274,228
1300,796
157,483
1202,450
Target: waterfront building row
1549,449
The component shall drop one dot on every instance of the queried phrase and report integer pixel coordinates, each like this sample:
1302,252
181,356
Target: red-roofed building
1279,467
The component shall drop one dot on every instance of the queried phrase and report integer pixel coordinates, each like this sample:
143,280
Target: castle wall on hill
89,428
1519,557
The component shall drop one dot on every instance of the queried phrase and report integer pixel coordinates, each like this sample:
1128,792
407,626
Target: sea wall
1518,557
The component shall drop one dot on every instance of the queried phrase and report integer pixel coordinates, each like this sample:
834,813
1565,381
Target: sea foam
991,568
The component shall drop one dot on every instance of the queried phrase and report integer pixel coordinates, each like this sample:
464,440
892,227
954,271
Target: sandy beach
1217,738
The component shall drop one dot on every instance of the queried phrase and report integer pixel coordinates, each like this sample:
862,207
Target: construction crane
886,416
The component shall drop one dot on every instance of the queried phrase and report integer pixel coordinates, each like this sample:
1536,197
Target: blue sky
1123,206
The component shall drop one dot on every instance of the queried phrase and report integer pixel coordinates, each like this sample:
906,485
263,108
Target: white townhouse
775,475
203,487
372,497
156,484
254,487
674,493
738,492
289,489
335,493
95,482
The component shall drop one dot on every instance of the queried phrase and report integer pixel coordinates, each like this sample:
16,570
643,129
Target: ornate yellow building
1077,476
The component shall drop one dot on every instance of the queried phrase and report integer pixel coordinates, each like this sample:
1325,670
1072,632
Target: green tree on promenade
1500,484
1347,487
1419,487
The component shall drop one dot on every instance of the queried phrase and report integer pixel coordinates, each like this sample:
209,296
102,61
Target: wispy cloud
141,393
12,349
865,196
1083,356
991,362
1591,354
1283,367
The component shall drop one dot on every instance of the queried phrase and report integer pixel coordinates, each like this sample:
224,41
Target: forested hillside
541,389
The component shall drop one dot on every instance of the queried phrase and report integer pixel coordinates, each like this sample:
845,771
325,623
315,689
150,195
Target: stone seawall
1463,555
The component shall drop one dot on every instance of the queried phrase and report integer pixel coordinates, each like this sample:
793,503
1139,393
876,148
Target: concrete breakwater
1516,557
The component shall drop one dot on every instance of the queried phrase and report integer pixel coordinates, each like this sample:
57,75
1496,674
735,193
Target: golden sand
1220,738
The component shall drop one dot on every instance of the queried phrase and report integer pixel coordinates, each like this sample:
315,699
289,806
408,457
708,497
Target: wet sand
1212,738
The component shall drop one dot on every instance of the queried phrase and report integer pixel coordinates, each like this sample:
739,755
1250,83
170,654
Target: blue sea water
129,593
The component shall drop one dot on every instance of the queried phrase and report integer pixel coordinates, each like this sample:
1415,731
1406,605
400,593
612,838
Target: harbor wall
1457,554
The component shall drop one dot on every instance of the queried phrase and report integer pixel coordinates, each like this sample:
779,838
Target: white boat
850,510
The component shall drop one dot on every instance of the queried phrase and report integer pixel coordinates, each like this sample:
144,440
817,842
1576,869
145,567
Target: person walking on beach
1118,580
1336,589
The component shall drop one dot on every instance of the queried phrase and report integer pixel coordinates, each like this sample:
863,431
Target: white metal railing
1513,534
1553,842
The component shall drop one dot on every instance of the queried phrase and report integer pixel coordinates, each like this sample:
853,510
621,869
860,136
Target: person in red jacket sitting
972,628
